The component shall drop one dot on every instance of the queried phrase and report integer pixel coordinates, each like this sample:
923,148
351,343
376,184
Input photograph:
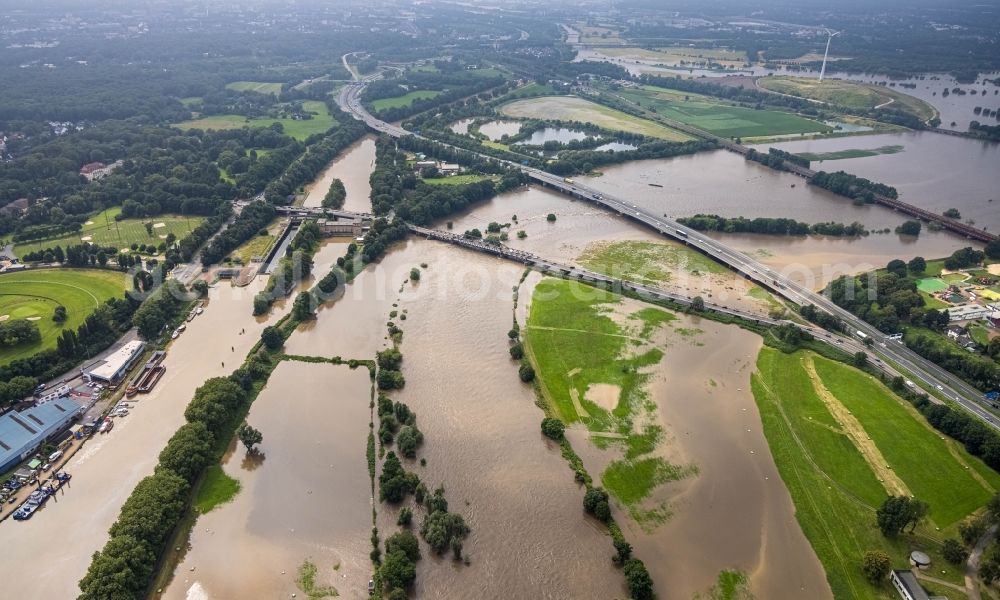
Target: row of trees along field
771,226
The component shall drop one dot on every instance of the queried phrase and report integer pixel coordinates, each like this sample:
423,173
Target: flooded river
305,496
59,541
352,167
933,171
530,537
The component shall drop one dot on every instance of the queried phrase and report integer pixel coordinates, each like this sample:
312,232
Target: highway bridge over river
932,377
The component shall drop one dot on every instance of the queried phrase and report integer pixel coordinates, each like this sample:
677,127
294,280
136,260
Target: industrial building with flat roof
117,364
21,433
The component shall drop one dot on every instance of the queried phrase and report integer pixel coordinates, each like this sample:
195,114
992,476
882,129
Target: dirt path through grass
854,430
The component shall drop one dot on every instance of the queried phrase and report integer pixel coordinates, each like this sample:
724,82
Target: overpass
933,377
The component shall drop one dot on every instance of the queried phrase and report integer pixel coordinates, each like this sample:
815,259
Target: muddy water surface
530,538
495,130
735,513
352,167
59,541
305,496
933,171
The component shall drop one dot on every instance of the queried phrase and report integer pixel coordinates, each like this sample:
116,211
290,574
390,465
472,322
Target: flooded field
554,134
933,171
530,537
352,167
495,130
461,126
734,512
305,496
108,467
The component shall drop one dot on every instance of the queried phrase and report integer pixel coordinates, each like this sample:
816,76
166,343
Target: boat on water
151,373
181,327
175,335
106,425
654,185
199,310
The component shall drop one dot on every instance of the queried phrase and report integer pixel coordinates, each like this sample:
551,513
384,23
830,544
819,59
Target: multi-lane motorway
929,374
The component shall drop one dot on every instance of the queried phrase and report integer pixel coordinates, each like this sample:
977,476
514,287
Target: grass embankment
646,262
721,119
851,153
828,425
216,488
404,100
35,295
103,230
571,108
849,94
592,370
258,245
260,87
321,122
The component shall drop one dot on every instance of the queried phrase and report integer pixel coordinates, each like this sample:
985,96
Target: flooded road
530,537
59,541
933,171
352,167
306,496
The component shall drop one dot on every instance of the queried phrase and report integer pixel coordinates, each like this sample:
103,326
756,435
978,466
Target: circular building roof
919,558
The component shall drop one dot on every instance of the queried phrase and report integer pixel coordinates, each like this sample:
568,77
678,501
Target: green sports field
931,284
722,119
404,100
35,294
841,441
572,108
102,229
255,86
321,122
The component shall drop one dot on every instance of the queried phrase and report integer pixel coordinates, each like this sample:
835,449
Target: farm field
103,230
255,86
321,122
674,56
842,442
722,119
404,100
847,93
571,108
35,295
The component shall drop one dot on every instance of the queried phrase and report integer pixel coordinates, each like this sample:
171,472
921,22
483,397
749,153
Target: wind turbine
831,35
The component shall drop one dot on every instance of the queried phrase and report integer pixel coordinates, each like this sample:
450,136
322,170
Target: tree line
124,567
852,186
770,226
776,158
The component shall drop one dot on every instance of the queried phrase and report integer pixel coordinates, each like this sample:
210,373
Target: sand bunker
162,237
86,238
604,395
159,225
4,318
994,269
34,319
89,223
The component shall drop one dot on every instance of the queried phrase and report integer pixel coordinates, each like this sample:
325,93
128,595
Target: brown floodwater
305,496
735,513
530,537
59,541
933,171
352,167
